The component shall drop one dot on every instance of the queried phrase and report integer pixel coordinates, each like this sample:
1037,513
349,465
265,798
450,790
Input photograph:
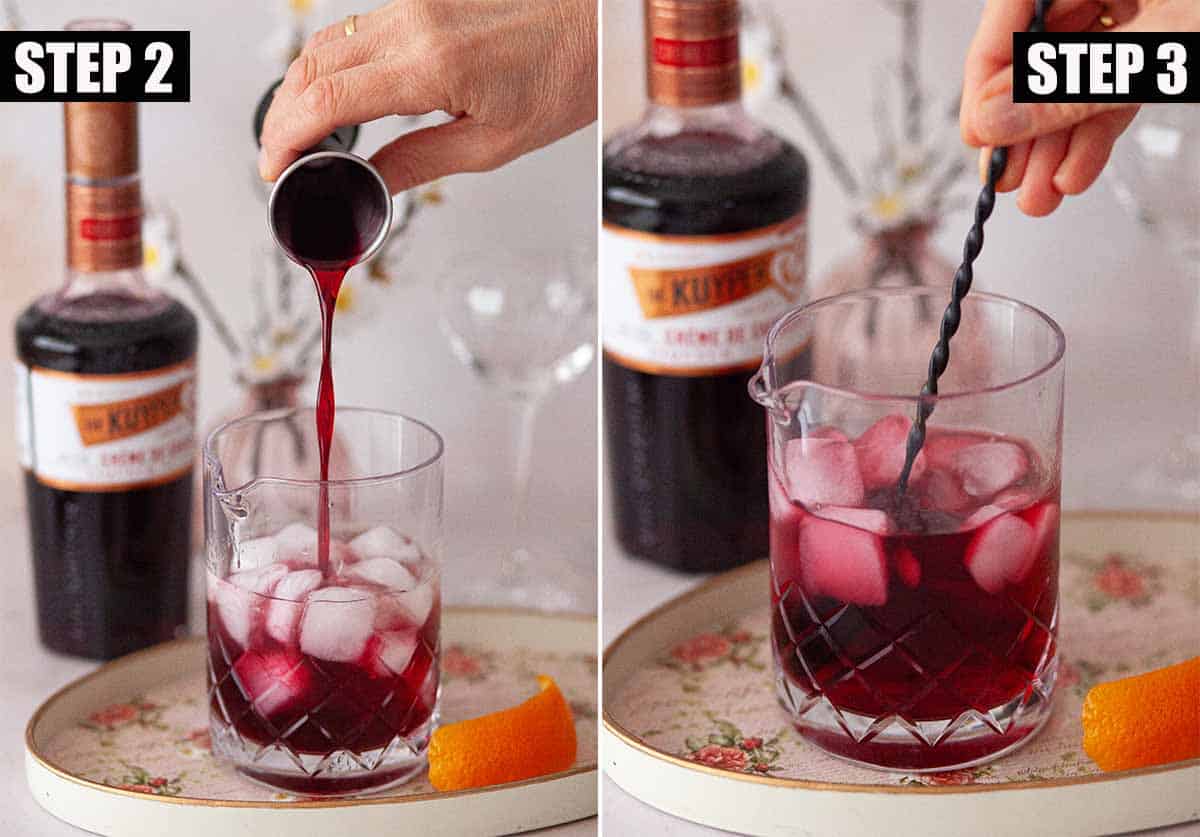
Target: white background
1125,307
199,157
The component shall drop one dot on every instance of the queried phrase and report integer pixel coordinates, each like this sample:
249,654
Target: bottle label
698,305
104,227
103,433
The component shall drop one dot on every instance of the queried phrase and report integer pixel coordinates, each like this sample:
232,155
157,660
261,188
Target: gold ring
1106,18
351,25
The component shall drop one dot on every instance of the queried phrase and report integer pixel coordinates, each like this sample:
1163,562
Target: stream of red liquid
329,283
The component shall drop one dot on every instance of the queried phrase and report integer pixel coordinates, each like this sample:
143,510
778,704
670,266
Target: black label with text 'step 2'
95,66
1117,67
694,306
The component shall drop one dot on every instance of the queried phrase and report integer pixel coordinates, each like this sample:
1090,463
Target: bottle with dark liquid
105,414
704,247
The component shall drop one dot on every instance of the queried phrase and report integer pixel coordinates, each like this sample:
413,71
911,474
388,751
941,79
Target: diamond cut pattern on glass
849,661
348,748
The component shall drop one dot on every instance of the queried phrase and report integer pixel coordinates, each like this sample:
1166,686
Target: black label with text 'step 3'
1117,67
95,66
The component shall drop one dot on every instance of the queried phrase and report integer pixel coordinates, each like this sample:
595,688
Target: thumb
463,145
998,120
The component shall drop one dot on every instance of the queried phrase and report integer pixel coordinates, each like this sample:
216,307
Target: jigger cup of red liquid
330,210
914,629
323,658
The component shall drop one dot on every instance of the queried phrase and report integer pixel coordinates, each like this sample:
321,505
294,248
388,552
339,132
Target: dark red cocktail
304,667
930,610
914,627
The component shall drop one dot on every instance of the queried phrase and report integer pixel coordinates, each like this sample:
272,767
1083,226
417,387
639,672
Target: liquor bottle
105,414
704,247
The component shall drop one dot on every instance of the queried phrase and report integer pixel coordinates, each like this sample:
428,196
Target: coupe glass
524,322
1149,168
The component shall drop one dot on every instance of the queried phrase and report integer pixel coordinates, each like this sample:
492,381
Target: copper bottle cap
692,54
101,139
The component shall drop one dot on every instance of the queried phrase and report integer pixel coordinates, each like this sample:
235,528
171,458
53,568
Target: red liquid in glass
923,607
362,674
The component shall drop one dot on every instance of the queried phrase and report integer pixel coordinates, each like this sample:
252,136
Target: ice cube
826,431
843,562
261,580
1000,552
872,520
1014,499
382,571
823,471
882,450
941,446
908,568
337,623
240,601
980,516
1045,520
286,605
988,468
256,552
784,534
393,651
273,681
942,491
297,542
416,603
385,542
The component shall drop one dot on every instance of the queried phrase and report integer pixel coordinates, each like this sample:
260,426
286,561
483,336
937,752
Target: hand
1057,149
516,74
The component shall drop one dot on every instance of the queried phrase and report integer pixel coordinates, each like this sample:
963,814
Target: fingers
349,97
1014,172
991,48
998,120
1038,195
363,24
325,60
1090,147
425,155
986,116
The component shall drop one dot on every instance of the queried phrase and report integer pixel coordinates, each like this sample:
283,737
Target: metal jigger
326,172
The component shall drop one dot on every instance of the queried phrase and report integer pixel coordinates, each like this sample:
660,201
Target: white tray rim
39,767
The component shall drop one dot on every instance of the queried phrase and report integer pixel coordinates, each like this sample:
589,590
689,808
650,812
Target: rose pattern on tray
1118,578
1111,590
110,718
159,744
727,749
139,780
460,662
729,646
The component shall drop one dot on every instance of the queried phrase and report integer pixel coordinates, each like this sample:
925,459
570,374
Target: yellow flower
301,7
888,206
751,75
264,363
345,300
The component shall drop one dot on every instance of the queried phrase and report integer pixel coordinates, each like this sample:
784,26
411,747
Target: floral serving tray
125,751
692,726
